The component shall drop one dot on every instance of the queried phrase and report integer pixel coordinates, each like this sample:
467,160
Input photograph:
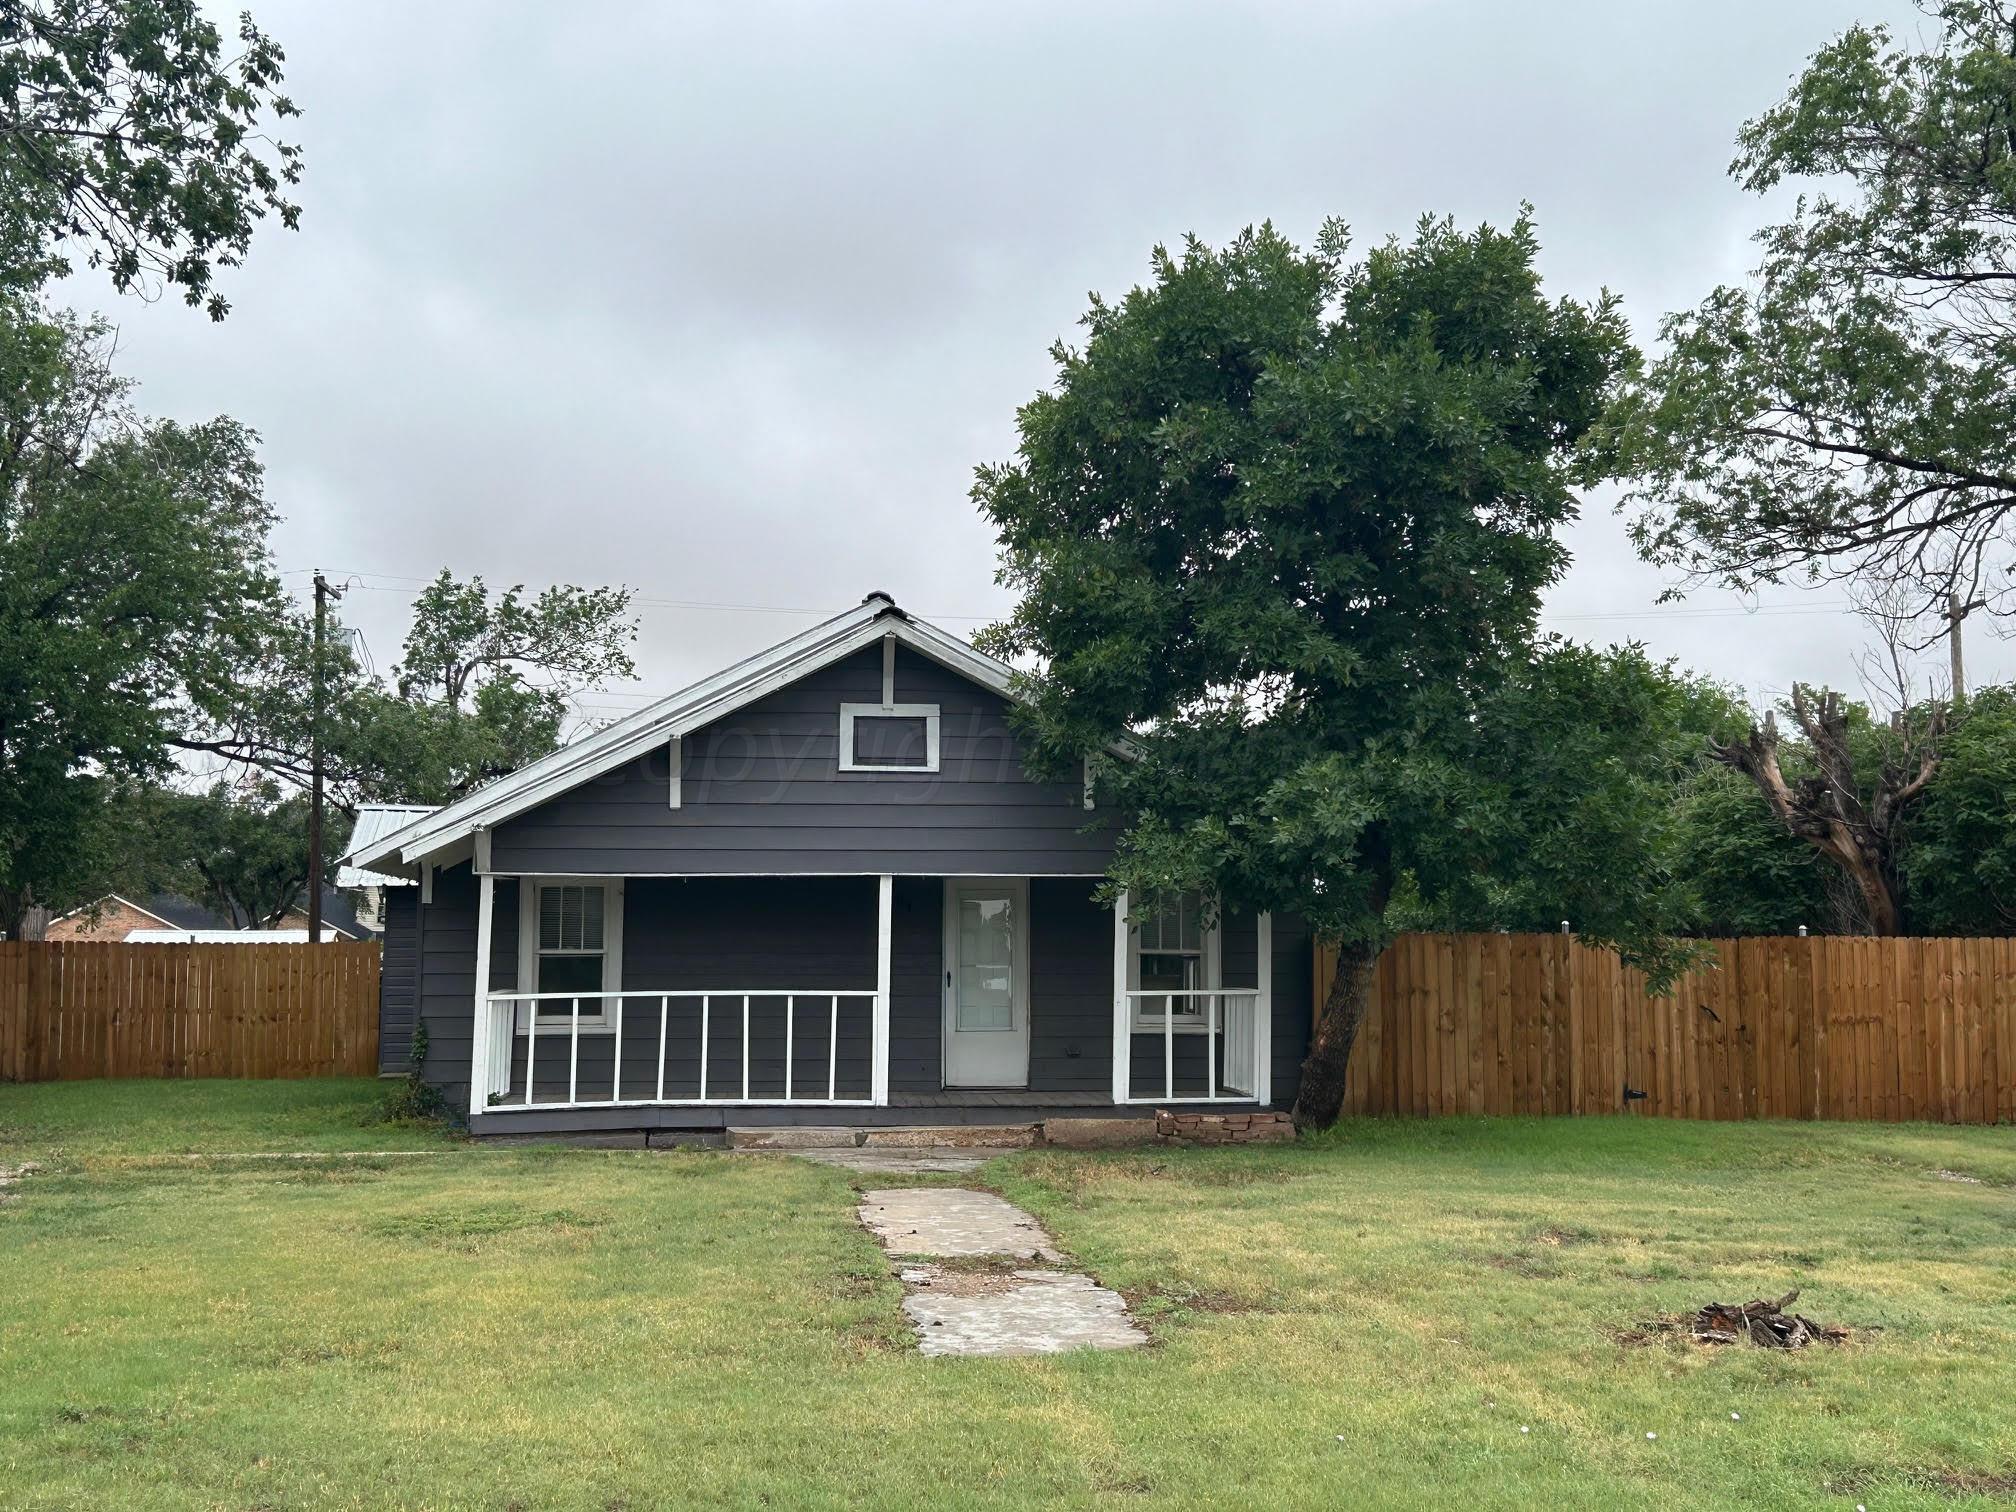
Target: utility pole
1954,615
323,593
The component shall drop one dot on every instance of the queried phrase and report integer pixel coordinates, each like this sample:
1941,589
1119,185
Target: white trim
888,671
1018,1026
675,757
598,1022
1263,1012
481,1054
479,863
885,912
1087,875
685,711
1123,1009
426,882
849,712
99,903
375,821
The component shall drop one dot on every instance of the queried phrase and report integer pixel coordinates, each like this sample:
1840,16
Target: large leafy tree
1744,872
1958,862
135,589
240,847
1851,412
485,683
1284,523
129,132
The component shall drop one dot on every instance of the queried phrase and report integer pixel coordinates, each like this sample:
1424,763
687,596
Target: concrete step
952,1137
793,1138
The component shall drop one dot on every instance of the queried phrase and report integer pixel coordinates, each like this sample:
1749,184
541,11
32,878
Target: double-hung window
1173,953
570,935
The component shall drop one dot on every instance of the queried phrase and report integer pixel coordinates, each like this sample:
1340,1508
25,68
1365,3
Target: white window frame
1147,1012
599,1022
849,712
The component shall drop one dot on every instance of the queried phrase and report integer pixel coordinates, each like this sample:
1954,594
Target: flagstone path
985,1303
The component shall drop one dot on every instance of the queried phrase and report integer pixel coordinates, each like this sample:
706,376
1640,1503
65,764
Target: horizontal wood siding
1797,1027
398,978
916,991
813,933
447,993
761,792
72,1009
1292,972
755,932
1070,987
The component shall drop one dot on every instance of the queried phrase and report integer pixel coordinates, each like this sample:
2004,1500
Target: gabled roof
680,713
374,822
181,916
167,908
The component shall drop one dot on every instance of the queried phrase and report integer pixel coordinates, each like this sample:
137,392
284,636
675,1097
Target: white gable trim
115,898
680,714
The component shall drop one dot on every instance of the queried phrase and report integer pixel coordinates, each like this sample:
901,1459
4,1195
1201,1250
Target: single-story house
173,919
817,887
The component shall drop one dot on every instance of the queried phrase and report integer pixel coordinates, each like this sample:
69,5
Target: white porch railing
650,1014
1226,1020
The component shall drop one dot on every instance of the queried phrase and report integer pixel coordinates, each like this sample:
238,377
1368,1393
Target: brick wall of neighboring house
112,922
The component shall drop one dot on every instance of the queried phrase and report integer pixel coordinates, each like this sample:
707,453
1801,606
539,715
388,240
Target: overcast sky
725,302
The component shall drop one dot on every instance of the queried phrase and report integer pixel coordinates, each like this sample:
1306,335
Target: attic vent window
888,737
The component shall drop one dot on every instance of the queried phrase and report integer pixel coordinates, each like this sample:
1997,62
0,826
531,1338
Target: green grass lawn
1366,1320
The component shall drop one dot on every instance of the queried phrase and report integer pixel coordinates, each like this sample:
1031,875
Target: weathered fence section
78,1008
1808,1027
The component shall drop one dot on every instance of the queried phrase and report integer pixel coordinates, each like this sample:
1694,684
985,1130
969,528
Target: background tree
1852,413
1284,523
241,848
135,588
1744,872
126,130
485,684
1855,792
1958,861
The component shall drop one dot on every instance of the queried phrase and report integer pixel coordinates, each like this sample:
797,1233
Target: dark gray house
817,887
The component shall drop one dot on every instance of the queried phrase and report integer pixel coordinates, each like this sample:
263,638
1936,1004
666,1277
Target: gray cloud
725,302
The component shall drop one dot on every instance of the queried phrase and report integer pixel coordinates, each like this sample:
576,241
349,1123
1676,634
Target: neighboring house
172,918
367,888
817,887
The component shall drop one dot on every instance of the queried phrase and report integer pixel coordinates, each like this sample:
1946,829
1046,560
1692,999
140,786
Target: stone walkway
974,1307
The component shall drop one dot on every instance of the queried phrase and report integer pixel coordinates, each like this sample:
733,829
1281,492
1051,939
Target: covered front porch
647,1002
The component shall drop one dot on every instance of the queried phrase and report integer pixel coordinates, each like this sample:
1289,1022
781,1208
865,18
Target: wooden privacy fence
78,1008
1819,1027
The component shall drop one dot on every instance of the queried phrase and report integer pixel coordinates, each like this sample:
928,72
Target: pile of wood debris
1764,1322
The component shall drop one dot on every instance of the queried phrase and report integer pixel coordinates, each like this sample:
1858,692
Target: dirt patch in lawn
1154,1302
2000,1484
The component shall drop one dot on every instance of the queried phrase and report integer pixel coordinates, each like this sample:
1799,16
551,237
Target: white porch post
1123,1011
1263,1014
885,891
482,1069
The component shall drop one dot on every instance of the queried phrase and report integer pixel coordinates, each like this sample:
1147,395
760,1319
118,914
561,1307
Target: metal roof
374,822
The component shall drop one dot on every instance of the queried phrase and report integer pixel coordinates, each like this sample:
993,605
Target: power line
1661,612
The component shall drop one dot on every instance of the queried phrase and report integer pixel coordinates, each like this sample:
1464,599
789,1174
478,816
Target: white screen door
986,983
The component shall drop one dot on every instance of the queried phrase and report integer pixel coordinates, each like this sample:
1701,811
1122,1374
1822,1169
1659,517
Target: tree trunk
14,905
1827,810
1322,1096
